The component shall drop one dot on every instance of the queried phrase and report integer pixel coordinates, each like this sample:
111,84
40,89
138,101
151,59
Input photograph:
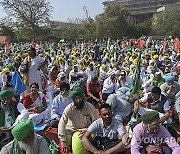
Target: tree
7,28
31,14
167,23
113,22
89,24
144,28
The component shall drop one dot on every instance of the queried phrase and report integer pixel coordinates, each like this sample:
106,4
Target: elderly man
26,141
170,88
108,133
149,137
59,104
11,113
77,116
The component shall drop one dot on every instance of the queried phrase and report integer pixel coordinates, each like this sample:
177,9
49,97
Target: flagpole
139,75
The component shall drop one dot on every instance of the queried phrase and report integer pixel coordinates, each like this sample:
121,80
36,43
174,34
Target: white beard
28,148
5,107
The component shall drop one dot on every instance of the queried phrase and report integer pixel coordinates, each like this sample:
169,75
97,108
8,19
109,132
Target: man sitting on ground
77,116
108,133
11,113
156,102
149,137
26,141
59,104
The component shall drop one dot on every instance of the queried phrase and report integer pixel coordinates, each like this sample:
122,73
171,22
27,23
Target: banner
176,44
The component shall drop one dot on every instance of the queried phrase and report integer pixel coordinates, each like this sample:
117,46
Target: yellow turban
55,64
126,58
134,62
51,52
155,57
16,58
105,68
60,58
41,55
5,70
166,57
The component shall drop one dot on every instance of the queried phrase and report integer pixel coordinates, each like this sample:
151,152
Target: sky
71,9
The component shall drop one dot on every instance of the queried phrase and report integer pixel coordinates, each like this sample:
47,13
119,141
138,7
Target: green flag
136,81
136,77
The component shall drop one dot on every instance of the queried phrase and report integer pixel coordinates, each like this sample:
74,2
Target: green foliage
167,23
113,22
144,29
32,14
6,29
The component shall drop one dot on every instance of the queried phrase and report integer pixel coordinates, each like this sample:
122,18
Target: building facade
142,10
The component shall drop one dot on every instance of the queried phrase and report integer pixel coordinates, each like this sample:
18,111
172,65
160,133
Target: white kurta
42,117
34,75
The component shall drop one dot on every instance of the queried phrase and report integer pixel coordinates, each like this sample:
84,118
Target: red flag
122,44
140,44
32,44
130,42
164,47
7,46
89,44
176,44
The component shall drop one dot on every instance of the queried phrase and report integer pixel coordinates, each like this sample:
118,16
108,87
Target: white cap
61,74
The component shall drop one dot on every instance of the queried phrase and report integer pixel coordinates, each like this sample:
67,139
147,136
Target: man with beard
170,88
59,104
108,134
11,113
26,141
150,136
77,116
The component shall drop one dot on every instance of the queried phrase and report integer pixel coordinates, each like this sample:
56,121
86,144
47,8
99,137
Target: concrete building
142,10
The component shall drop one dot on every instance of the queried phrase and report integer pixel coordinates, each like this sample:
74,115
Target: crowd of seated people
105,117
